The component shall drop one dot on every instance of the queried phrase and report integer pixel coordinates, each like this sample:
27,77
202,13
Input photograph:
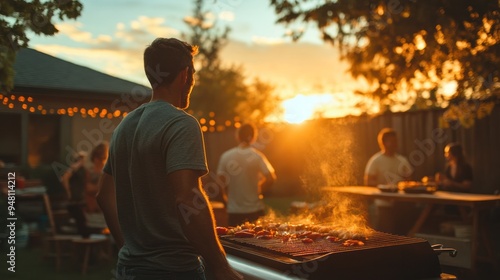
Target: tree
218,92
17,17
222,92
260,102
426,47
206,35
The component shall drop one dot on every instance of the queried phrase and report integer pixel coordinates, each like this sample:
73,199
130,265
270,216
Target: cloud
143,30
74,32
226,16
119,54
267,41
293,67
126,63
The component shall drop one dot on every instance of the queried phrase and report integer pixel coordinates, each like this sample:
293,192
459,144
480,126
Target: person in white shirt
387,167
245,174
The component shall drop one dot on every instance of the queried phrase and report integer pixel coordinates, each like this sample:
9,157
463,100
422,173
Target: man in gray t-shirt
150,190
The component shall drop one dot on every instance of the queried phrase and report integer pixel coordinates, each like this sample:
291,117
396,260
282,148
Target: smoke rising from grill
328,157
328,161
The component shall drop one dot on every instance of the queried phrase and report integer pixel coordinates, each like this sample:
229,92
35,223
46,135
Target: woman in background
98,158
74,181
458,173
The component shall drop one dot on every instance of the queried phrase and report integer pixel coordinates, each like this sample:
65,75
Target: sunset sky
111,35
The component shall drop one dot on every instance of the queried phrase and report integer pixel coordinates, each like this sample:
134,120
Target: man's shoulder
401,157
229,152
376,157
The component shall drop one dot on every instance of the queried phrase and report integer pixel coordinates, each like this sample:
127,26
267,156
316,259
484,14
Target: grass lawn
31,265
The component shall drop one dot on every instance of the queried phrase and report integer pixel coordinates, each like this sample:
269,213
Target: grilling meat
286,232
353,242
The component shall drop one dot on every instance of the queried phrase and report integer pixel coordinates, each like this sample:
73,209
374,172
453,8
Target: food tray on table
422,189
417,187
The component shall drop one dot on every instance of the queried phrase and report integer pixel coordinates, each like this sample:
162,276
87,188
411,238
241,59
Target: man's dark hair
165,58
456,150
384,134
247,133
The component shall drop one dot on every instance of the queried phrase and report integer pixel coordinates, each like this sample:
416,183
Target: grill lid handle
438,249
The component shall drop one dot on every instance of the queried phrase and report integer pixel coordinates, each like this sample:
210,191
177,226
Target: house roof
37,70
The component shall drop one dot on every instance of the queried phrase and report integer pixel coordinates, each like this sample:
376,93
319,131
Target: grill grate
295,247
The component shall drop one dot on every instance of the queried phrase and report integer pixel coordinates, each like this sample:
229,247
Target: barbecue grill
384,256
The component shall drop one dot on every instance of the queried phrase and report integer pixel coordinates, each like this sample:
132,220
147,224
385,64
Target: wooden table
475,202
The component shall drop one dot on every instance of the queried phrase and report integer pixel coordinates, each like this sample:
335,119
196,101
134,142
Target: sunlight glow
448,89
303,107
325,105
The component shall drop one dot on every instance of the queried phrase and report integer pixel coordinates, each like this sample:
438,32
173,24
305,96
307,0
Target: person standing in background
245,174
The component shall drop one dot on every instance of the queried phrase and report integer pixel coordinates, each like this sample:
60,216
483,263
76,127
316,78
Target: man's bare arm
268,181
370,180
198,224
106,198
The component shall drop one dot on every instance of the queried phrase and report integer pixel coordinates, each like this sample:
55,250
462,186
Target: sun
304,107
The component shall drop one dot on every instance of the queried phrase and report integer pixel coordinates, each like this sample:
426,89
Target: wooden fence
335,151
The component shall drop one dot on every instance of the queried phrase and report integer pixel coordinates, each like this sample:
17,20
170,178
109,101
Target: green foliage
260,102
408,45
218,91
17,17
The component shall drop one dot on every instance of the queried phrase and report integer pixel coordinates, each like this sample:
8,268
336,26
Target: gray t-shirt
151,142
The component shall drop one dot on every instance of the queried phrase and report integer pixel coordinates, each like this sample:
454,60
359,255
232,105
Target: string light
13,101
